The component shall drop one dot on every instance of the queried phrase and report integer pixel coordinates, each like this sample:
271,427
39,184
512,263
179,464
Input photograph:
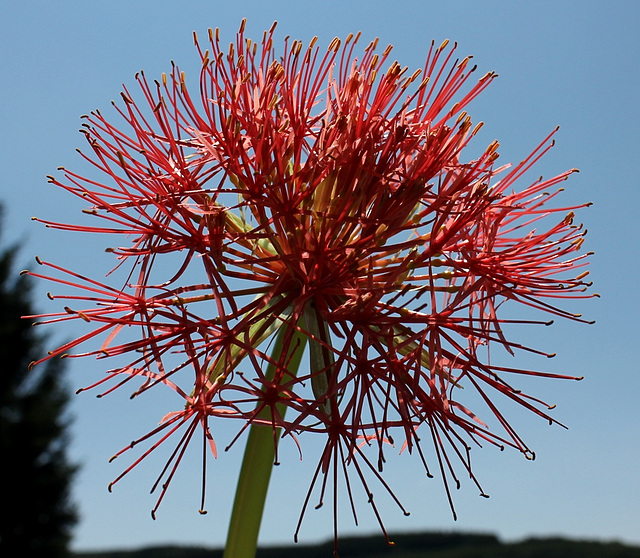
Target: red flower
320,198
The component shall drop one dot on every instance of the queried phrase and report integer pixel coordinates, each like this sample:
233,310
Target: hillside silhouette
420,545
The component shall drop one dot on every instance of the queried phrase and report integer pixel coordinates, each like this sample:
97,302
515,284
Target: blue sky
571,63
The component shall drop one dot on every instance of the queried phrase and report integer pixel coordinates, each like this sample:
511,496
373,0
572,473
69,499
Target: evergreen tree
36,513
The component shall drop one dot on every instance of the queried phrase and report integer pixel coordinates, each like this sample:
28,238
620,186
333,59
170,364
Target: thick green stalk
257,464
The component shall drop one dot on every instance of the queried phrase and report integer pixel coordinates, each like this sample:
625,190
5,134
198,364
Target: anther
334,45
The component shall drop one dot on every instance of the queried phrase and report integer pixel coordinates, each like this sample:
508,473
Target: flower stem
257,464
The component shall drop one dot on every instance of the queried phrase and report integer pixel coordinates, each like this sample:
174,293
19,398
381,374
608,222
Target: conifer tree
36,514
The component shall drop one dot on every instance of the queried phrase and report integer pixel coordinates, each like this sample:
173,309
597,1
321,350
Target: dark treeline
423,545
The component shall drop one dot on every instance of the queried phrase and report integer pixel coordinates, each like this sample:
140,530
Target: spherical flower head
307,249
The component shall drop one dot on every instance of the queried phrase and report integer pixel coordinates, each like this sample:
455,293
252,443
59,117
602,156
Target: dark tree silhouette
36,514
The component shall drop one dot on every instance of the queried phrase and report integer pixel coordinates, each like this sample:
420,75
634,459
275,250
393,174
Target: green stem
257,464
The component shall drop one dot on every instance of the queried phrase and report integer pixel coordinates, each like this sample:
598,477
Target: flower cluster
307,250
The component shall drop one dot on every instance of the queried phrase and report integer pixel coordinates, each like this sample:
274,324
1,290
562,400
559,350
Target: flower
317,200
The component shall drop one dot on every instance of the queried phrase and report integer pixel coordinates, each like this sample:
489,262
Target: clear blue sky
571,63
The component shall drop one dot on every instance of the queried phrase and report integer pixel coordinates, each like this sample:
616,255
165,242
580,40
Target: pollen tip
202,512
579,378
38,260
110,487
31,365
84,316
153,514
79,390
24,272
551,355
